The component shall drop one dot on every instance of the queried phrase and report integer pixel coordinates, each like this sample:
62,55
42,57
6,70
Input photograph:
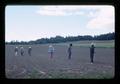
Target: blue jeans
69,57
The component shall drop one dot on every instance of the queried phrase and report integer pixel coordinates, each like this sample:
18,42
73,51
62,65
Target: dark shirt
22,50
69,50
92,49
16,50
29,50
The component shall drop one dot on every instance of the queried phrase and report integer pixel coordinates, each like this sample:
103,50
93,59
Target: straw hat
21,47
50,45
92,43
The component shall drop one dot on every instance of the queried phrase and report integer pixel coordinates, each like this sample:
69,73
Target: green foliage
60,39
98,44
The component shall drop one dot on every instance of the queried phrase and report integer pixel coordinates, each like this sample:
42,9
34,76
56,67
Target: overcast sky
24,23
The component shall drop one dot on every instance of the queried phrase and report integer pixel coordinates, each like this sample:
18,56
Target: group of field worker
22,51
51,51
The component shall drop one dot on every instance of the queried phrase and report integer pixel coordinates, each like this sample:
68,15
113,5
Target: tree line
60,39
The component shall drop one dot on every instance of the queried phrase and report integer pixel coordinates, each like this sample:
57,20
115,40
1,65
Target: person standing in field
16,51
69,51
51,51
22,51
92,51
29,51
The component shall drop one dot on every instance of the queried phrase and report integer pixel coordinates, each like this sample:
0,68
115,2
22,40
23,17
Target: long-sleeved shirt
92,49
51,49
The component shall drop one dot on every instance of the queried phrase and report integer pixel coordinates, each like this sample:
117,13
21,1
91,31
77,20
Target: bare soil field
40,66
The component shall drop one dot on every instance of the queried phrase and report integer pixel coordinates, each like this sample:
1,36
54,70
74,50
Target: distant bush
59,39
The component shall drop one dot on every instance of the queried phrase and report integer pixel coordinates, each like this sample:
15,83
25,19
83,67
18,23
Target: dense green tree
59,39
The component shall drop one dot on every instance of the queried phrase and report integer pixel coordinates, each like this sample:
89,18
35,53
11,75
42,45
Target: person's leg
16,53
91,57
69,57
22,53
51,54
29,53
